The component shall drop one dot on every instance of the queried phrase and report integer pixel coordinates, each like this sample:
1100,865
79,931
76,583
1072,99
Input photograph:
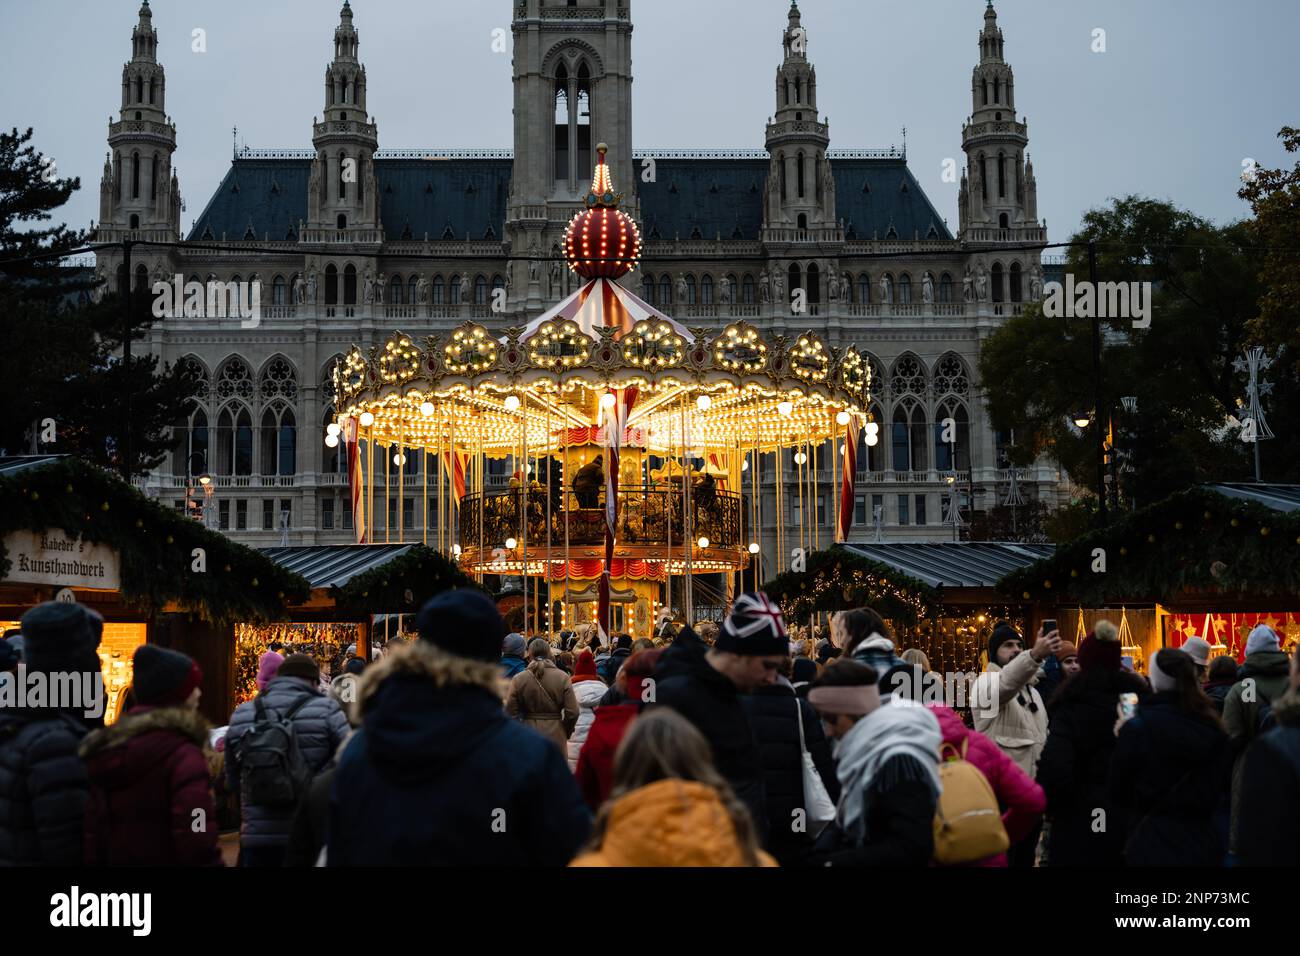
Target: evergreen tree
60,351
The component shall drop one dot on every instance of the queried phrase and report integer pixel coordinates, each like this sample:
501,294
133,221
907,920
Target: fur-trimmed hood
422,709
187,723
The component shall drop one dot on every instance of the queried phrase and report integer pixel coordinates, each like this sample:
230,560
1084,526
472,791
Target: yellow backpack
967,821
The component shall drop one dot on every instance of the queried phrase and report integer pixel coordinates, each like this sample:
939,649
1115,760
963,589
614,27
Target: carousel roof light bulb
427,409
367,419
704,542
786,408
753,547
331,441
703,403
800,458
607,400
332,428
842,418
873,440
511,544
399,459
512,403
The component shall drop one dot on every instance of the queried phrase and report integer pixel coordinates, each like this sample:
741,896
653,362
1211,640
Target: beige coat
541,696
1008,709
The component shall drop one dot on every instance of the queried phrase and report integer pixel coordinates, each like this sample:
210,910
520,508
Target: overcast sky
1185,92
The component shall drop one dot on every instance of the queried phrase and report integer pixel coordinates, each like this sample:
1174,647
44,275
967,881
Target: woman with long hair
669,805
1171,771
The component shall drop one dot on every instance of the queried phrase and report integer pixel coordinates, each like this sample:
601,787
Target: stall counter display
1227,632
116,654
326,643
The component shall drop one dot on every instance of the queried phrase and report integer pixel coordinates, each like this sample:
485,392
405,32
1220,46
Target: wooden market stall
72,531
1212,561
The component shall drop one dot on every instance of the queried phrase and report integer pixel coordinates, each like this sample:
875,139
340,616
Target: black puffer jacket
43,789
1269,830
688,683
1075,767
772,714
1169,777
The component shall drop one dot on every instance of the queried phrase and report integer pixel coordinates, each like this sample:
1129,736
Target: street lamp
1081,420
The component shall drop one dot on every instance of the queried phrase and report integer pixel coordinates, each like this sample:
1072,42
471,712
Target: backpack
967,822
273,771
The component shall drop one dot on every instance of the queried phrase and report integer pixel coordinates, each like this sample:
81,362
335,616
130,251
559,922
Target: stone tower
800,187
139,195
344,196
572,65
998,190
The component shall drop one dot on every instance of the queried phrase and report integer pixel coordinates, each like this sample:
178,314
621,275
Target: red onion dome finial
602,242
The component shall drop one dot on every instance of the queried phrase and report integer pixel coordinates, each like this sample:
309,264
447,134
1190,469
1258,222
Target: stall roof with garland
840,578
1226,540
955,564
156,543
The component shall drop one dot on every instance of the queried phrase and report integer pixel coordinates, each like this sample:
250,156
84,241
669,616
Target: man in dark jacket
1268,833
704,685
608,669
1075,764
294,694
43,783
1262,679
437,774
774,712
512,655
588,481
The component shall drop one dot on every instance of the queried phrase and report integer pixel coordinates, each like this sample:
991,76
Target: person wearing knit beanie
1262,638
267,666
463,622
754,628
1101,649
1067,655
1002,633
302,666
165,678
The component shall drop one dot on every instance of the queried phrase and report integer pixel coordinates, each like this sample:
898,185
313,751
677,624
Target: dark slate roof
465,196
334,565
1277,497
956,564
452,198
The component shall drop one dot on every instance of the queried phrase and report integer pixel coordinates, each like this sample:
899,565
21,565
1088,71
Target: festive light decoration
602,242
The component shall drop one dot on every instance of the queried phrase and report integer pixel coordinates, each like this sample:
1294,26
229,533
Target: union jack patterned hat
754,627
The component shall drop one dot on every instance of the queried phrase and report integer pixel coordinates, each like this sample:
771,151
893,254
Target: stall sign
56,558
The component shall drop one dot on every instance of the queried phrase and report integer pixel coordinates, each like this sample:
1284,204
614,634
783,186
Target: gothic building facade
350,242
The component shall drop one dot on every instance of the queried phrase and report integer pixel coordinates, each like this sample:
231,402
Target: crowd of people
739,744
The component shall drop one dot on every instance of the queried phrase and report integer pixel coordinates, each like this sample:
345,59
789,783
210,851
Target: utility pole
1099,438
125,449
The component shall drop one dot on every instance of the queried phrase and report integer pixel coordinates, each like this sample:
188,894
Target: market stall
72,531
1212,561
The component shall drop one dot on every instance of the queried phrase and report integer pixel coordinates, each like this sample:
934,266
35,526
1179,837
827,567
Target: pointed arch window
1015,282
139,89
331,284
905,289
583,121
984,177
562,120
279,440
153,88
665,291
413,290
706,290
799,174
350,285
945,288
439,290
747,290
135,175
690,290
781,165
278,291
998,292
395,291
814,284
153,178
455,290
953,413
648,289
864,289
480,290
343,184
1002,176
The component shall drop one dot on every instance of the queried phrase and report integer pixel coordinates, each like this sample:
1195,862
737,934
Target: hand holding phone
1126,709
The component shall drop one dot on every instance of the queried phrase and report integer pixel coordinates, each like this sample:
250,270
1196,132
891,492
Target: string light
427,409
332,428
331,441
367,419
511,543
703,403
843,418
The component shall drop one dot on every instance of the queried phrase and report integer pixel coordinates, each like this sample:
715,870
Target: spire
346,38
991,38
144,38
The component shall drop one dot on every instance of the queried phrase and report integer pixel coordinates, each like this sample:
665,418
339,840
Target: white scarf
901,727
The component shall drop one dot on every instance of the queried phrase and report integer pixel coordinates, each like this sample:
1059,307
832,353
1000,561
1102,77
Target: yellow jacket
669,823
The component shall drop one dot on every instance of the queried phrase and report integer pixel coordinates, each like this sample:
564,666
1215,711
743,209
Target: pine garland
837,580
156,545
404,584
1197,540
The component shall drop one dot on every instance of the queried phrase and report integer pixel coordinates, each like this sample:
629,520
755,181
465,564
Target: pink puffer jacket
1021,798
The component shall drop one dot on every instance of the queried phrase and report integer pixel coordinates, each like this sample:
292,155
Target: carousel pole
523,504
401,487
668,515
388,505
817,517
424,486
482,494
564,492
550,466
372,528
688,524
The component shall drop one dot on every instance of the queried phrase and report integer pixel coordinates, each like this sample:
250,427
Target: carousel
604,454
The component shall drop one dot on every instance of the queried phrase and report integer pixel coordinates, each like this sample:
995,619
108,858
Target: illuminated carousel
627,439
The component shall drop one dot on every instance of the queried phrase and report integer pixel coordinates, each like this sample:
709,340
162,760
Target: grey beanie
1262,638
513,645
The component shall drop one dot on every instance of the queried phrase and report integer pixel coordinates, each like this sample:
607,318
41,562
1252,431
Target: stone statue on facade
464,288
381,288
681,288
299,290
724,290
778,286
967,287
886,291
1035,283
368,287
927,289
422,290
981,284
311,287
833,287
557,277
765,287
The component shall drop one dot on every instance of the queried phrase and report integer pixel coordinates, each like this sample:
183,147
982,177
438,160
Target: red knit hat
1096,654
585,668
